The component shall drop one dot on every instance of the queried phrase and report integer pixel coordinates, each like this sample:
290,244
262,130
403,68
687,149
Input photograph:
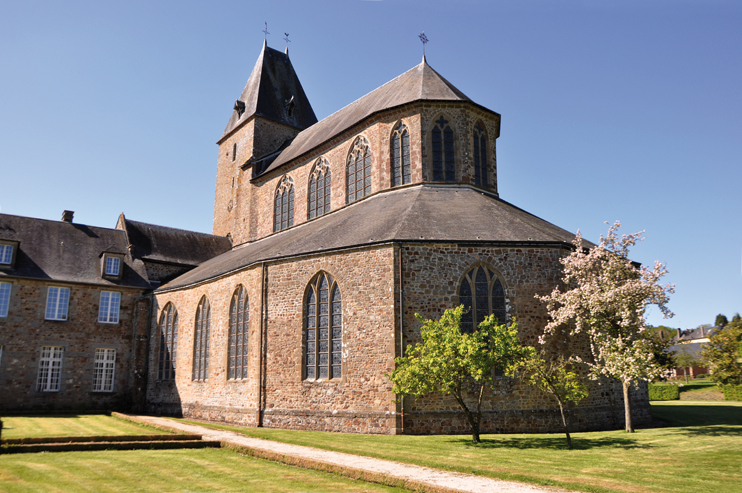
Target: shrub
658,392
732,392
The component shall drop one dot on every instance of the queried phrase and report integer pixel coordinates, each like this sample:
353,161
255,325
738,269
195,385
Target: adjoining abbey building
328,237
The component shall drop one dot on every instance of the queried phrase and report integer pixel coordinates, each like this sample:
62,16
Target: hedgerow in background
605,296
663,392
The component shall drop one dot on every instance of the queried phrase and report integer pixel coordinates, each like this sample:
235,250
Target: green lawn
699,452
161,471
71,425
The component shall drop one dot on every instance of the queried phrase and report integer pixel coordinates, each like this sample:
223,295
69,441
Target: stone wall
432,275
24,331
360,401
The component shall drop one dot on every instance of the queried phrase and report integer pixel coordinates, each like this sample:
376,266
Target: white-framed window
50,369
105,365
6,254
57,300
113,266
108,313
4,298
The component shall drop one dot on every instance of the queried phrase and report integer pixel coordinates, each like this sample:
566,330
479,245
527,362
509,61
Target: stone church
328,237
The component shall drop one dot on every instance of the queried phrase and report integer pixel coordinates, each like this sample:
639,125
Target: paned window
4,298
57,300
108,313
283,216
323,325
113,266
105,365
400,156
50,369
482,294
201,341
168,343
6,254
359,170
239,323
480,156
444,168
319,189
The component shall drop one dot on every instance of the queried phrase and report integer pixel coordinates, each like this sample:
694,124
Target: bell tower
269,113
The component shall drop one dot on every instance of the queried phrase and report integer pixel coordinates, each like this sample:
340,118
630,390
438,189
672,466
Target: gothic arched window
481,293
201,340
480,156
319,189
444,168
359,170
168,342
239,324
323,325
283,215
400,156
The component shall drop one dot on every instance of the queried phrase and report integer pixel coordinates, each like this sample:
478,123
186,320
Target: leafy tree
684,359
555,376
604,296
458,364
721,320
736,318
723,354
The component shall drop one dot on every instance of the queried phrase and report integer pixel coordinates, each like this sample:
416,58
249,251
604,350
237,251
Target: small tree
604,297
458,364
721,320
685,360
554,376
723,354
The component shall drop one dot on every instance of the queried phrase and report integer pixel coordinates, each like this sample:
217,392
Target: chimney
67,216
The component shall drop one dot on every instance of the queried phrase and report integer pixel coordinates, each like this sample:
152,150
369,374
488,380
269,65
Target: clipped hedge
732,392
658,392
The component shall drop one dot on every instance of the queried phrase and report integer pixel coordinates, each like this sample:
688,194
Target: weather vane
287,39
424,39
266,31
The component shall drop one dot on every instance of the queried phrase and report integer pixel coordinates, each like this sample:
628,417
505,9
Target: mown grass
71,425
162,471
699,451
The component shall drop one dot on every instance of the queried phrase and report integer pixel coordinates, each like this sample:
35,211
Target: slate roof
420,83
694,349
429,213
71,252
271,86
172,245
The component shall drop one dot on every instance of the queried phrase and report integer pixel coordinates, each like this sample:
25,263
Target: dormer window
112,265
7,253
239,107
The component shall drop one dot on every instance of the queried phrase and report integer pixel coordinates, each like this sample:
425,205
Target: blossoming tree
604,296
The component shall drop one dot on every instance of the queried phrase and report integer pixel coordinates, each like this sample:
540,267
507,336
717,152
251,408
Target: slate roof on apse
63,251
428,213
420,83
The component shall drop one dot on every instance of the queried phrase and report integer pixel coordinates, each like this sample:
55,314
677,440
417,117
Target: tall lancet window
283,215
480,156
359,170
400,156
201,338
168,343
444,168
481,293
323,326
239,322
319,189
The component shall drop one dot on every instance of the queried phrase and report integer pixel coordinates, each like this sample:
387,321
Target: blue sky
627,110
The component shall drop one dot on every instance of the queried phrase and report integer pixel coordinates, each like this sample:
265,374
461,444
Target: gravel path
417,477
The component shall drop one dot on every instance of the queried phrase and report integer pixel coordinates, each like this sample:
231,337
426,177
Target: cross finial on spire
266,31
287,39
424,40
